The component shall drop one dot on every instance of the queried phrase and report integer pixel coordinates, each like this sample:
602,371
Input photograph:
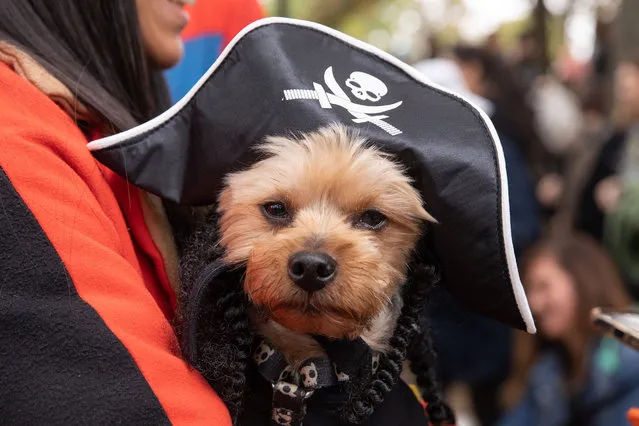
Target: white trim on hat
517,287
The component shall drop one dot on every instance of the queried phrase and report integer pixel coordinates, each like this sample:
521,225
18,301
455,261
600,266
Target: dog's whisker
256,290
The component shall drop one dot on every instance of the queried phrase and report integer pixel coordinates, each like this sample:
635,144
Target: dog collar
292,387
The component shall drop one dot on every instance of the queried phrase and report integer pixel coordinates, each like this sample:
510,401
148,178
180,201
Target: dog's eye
371,219
276,210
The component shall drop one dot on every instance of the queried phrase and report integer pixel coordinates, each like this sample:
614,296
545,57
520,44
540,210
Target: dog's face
326,226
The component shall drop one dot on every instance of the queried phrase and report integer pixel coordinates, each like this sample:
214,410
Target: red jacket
85,305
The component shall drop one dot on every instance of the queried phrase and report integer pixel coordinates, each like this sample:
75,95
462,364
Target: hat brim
266,82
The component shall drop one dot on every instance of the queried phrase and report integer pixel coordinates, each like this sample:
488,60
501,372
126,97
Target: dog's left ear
281,76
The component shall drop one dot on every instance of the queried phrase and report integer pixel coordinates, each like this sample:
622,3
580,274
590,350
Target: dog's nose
311,270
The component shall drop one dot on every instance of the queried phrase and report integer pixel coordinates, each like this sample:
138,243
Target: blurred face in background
552,296
161,22
627,93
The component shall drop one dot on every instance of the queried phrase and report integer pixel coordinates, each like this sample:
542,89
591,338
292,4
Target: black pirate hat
280,75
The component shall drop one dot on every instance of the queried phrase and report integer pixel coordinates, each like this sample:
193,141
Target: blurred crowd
81,247
571,147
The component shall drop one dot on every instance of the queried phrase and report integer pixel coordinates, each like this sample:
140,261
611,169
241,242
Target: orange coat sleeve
82,339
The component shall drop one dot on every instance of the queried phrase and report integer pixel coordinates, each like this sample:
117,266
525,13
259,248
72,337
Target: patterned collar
291,388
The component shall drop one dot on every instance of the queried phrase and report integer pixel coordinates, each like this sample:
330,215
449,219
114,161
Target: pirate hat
281,75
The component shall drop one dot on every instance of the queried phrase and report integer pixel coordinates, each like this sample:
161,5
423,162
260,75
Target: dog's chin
326,321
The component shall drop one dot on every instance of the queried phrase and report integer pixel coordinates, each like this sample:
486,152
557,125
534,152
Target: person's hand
549,189
607,193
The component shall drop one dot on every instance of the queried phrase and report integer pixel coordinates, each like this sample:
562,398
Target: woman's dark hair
513,116
94,47
597,283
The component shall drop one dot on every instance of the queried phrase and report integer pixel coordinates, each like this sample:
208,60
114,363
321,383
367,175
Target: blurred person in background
609,200
568,374
514,118
526,58
488,76
212,26
603,188
87,283
473,350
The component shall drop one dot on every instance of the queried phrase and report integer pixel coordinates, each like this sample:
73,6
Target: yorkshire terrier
323,230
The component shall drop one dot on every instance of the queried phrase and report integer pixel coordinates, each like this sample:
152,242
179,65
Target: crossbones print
363,86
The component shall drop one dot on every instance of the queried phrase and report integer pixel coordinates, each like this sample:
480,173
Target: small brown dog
326,226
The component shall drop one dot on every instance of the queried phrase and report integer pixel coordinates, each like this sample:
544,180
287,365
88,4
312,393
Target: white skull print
263,353
366,87
287,389
375,363
309,376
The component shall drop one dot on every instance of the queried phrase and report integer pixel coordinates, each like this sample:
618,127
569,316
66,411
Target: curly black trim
365,397
225,349
422,358
223,332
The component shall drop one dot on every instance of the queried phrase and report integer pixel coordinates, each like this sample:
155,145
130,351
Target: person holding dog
86,298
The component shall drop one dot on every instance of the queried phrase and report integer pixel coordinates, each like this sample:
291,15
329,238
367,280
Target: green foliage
376,21
355,17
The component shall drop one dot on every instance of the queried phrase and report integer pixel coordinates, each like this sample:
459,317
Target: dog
325,226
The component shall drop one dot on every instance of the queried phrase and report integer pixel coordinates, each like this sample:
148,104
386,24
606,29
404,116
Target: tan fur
326,178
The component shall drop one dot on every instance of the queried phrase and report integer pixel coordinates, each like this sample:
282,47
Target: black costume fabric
53,345
282,76
400,407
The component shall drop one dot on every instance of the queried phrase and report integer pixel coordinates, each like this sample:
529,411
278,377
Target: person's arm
82,340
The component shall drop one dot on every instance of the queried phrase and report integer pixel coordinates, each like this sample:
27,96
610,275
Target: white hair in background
446,73
559,117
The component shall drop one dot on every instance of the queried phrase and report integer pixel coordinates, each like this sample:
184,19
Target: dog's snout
312,271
